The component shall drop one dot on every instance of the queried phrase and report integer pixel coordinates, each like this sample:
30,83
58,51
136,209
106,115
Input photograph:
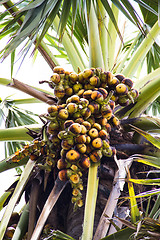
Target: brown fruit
63,175
84,162
96,156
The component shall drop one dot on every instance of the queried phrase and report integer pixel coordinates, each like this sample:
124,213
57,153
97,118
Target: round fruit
75,128
72,155
121,89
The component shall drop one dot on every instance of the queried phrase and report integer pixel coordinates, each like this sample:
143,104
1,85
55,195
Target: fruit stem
90,204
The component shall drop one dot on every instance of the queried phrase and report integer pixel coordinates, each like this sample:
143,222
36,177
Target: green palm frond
14,117
33,19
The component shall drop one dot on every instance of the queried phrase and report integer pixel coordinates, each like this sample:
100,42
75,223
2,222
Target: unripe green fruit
67,143
59,91
134,93
84,102
55,78
52,127
77,87
123,100
68,91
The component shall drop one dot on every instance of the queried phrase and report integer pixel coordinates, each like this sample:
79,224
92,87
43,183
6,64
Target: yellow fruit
63,114
81,147
93,133
87,73
94,81
97,143
75,192
73,77
53,110
81,139
72,107
58,70
103,134
75,99
121,89
59,91
74,178
103,91
55,78
75,128
72,155
87,94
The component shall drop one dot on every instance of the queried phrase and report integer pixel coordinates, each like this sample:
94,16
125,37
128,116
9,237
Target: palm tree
86,34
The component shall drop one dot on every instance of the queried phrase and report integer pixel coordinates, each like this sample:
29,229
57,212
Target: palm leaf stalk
95,60
17,192
141,51
18,133
73,52
112,37
22,224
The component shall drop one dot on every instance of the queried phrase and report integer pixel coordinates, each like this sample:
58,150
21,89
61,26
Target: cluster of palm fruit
81,121
78,126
